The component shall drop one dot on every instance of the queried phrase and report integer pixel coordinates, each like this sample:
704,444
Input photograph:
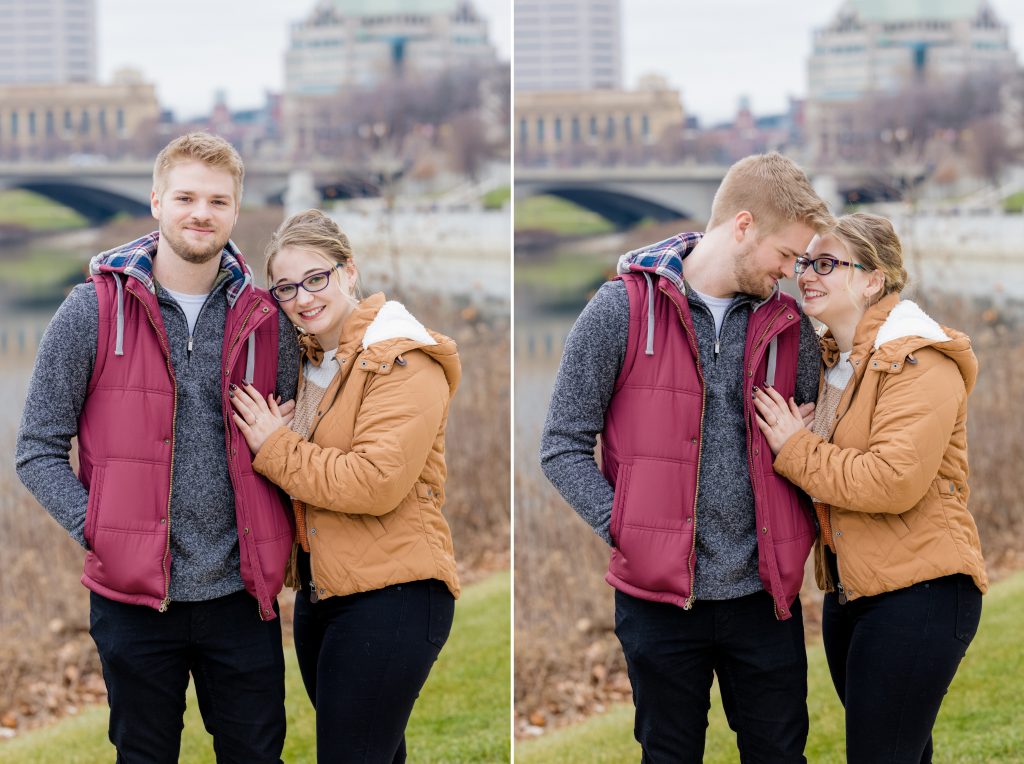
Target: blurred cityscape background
911,109
392,115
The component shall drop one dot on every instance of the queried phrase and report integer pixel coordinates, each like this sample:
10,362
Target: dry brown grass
567,659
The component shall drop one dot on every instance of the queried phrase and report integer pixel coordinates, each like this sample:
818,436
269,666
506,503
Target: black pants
892,658
236,662
672,655
364,658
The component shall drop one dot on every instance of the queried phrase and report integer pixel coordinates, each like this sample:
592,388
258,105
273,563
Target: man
708,544
185,545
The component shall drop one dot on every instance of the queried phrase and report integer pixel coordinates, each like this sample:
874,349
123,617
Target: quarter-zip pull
190,344
718,347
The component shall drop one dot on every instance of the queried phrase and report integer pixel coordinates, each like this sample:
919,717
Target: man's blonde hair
211,150
774,190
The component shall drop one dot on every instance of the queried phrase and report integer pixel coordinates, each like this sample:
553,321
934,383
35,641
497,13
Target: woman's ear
875,285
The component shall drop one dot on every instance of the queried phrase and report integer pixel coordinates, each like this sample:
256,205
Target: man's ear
741,225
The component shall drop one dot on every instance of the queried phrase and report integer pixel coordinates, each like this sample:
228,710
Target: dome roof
914,10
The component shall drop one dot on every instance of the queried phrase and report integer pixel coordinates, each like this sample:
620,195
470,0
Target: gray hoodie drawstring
250,361
650,314
119,343
773,350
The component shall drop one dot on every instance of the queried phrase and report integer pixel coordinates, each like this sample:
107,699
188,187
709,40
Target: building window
609,129
69,123
627,128
83,126
14,124
49,124
576,130
593,127
523,132
31,123
540,130
558,129
645,126
120,122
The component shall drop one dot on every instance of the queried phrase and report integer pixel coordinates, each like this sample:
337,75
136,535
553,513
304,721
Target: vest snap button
163,521
245,531
167,441
693,441
764,530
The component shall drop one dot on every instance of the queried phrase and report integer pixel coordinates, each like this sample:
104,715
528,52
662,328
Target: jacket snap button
750,373
245,530
383,366
757,452
790,316
167,441
895,365
163,521
312,531
764,530
839,533
266,612
266,309
321,590
689,519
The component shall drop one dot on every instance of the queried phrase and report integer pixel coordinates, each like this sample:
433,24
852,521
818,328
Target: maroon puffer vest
651,445
126,447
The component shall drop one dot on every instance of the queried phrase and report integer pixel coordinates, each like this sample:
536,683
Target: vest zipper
233,448
750,465
692,561
174,422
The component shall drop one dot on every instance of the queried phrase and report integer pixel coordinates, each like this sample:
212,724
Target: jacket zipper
692,561
231,445
174,422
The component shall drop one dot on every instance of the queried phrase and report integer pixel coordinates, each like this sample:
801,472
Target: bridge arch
620,208
97,205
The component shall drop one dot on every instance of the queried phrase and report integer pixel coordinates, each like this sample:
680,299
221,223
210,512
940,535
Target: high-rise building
568,45
47,41
879,48
358,43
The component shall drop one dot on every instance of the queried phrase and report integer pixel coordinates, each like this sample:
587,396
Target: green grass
462,714
979,721
37,212
552,213
1014,203
496,198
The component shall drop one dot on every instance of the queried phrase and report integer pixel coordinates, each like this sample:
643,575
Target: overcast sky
715,51
192,48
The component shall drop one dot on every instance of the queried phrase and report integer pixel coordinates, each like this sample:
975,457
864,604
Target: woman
363,459
886,463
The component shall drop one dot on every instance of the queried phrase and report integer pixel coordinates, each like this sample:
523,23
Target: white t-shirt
718,306
190,304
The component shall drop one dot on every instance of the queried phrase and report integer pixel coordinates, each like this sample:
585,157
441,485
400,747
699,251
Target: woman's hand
778,418
258,419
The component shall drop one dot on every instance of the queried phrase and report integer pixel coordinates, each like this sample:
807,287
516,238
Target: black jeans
236,662
892,657
672,655
364,658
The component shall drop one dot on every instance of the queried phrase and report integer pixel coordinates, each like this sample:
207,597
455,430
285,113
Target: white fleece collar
908,320
394,321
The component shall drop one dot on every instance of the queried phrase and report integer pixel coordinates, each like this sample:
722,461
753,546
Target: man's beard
190,253
748,279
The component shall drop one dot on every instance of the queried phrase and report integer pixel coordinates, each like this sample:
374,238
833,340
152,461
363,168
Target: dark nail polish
230,394
233,386
756,388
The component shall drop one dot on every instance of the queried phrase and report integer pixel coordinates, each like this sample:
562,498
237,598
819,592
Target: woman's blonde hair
872,240
313,232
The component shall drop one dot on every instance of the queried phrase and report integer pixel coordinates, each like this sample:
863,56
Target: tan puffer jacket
372,474
896,470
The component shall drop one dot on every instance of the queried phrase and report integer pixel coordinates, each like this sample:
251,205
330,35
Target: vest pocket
93,507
